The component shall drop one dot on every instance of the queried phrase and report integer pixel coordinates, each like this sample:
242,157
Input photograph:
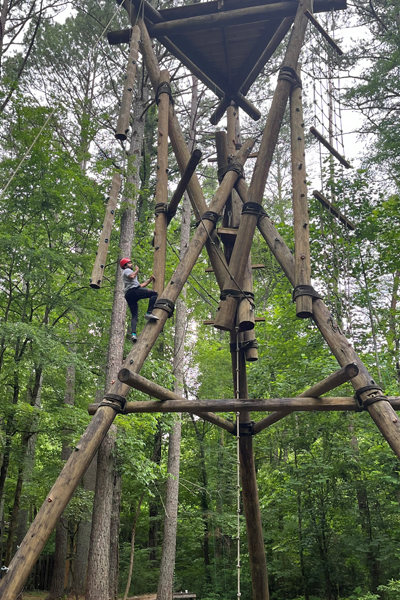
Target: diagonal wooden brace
227,308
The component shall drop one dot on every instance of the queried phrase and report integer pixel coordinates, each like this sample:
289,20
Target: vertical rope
238,462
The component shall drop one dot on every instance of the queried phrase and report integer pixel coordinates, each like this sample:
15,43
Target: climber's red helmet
123,262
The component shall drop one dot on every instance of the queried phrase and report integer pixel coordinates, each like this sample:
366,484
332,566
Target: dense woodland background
328,483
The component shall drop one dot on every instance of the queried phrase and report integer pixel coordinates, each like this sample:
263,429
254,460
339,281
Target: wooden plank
302,404
322,31
333,210
331,149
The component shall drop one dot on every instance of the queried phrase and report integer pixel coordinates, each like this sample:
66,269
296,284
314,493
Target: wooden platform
225,42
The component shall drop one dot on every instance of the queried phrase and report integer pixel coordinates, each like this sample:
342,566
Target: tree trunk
114,536
153,504
128,583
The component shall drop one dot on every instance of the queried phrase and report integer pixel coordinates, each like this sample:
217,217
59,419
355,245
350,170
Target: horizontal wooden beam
225,18
329,147
252,404
215,6
322,31
333,210
157,391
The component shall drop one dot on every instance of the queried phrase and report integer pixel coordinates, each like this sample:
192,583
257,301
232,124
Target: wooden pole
323,387
126,102
102,251
226,314
250,14
160,233
183,184
300,202
251,352
300,404
55,503
180,149
157,391
251,503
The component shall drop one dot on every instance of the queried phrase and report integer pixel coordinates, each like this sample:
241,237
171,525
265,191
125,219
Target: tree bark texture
99,553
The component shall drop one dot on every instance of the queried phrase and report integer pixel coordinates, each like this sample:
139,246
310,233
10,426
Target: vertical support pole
160,233
251,503
104,243
126,102
300,202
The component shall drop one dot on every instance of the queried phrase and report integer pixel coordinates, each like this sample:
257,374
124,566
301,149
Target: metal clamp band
289,74
167,305
114,401
305,290
160,207
164,88
253,208
237,167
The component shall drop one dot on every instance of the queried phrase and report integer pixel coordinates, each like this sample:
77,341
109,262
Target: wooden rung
334,211
257,320
322,31
331,149
258,266
227,234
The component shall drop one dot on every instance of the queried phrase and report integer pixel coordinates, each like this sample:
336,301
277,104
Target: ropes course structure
246,33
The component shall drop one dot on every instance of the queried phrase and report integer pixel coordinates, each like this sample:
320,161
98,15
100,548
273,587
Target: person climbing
134,291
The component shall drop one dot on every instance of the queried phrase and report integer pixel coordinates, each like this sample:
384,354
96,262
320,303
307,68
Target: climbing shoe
134,338
151,317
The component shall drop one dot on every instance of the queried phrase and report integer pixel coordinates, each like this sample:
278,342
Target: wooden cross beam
333,210
248,404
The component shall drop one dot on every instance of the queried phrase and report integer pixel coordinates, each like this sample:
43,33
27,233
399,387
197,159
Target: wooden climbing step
333,210
329,147
257,320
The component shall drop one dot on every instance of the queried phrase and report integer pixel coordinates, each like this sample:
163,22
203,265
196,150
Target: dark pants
133,296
